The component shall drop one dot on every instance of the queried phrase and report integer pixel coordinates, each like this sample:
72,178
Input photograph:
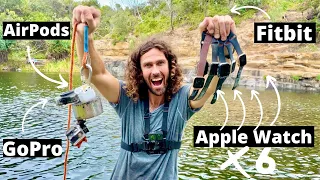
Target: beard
157,91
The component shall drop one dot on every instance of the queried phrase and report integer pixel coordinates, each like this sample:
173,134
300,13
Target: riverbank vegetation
124,23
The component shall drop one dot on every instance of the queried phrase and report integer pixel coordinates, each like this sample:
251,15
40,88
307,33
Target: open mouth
157,82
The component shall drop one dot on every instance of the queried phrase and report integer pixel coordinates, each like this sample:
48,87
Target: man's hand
218,26
107,84
86,15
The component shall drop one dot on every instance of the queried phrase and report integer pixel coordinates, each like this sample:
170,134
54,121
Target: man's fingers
203,25
222,28
210,27
77,14
233,27
228,21
74,21
80,28
88,18
216,27
86,15
95,12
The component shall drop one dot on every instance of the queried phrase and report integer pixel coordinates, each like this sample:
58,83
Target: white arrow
255,94
42,101
63,83
238,93
234,9
220,93
271,80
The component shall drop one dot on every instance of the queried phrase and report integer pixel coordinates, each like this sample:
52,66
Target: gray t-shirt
140,165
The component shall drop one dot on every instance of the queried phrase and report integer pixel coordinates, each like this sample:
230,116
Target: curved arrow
255,94
271,80
234,9
238,93
42,101
220,93
63,83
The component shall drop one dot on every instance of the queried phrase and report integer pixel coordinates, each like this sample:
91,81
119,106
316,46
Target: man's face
155,69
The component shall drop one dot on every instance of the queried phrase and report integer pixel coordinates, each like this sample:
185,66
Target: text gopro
32,148
36,30
284,32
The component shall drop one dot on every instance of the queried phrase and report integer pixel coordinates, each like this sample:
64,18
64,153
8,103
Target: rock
306,84
116,68
281,60
307,76
289,65
257,64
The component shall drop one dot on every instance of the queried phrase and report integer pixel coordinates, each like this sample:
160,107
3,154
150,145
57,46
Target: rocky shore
295,66
250,77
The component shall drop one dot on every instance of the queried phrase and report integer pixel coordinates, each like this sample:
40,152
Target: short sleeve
184,103
123,101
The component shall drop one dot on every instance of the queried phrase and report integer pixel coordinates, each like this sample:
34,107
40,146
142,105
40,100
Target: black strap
213,67
173,145
137,147
230,56
219,86
133,147
146,118
201,71
242,57
223,69
213,72
165,119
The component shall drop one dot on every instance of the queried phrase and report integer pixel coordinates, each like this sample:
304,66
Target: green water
96,159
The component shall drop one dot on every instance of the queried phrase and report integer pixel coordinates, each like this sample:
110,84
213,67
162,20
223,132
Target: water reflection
96,159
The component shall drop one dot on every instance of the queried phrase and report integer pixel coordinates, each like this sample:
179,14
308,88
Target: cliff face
283,61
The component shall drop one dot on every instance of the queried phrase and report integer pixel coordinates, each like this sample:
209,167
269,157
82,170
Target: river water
96,159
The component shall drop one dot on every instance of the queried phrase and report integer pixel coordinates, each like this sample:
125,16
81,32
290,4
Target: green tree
94,3
4,47
58,49
122,23
105,24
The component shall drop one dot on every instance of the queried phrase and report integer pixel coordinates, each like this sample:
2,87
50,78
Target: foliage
296,77
94,3
318,77
264,77
58,49
121,25
59,66
5,44
278,8
250,3
308,48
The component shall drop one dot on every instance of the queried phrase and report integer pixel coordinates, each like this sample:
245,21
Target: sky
123,3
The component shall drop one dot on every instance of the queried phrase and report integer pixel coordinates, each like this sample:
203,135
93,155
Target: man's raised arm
104,81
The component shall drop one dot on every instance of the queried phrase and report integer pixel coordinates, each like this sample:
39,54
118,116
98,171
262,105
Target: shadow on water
96,159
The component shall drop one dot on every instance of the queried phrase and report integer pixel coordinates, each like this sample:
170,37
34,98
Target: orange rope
69,106
84,60
70,88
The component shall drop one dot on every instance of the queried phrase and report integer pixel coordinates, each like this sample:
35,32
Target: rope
69,106
84,61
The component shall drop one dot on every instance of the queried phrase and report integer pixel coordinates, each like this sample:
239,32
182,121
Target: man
152,103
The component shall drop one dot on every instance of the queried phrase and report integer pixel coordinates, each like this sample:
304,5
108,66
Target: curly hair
136,87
